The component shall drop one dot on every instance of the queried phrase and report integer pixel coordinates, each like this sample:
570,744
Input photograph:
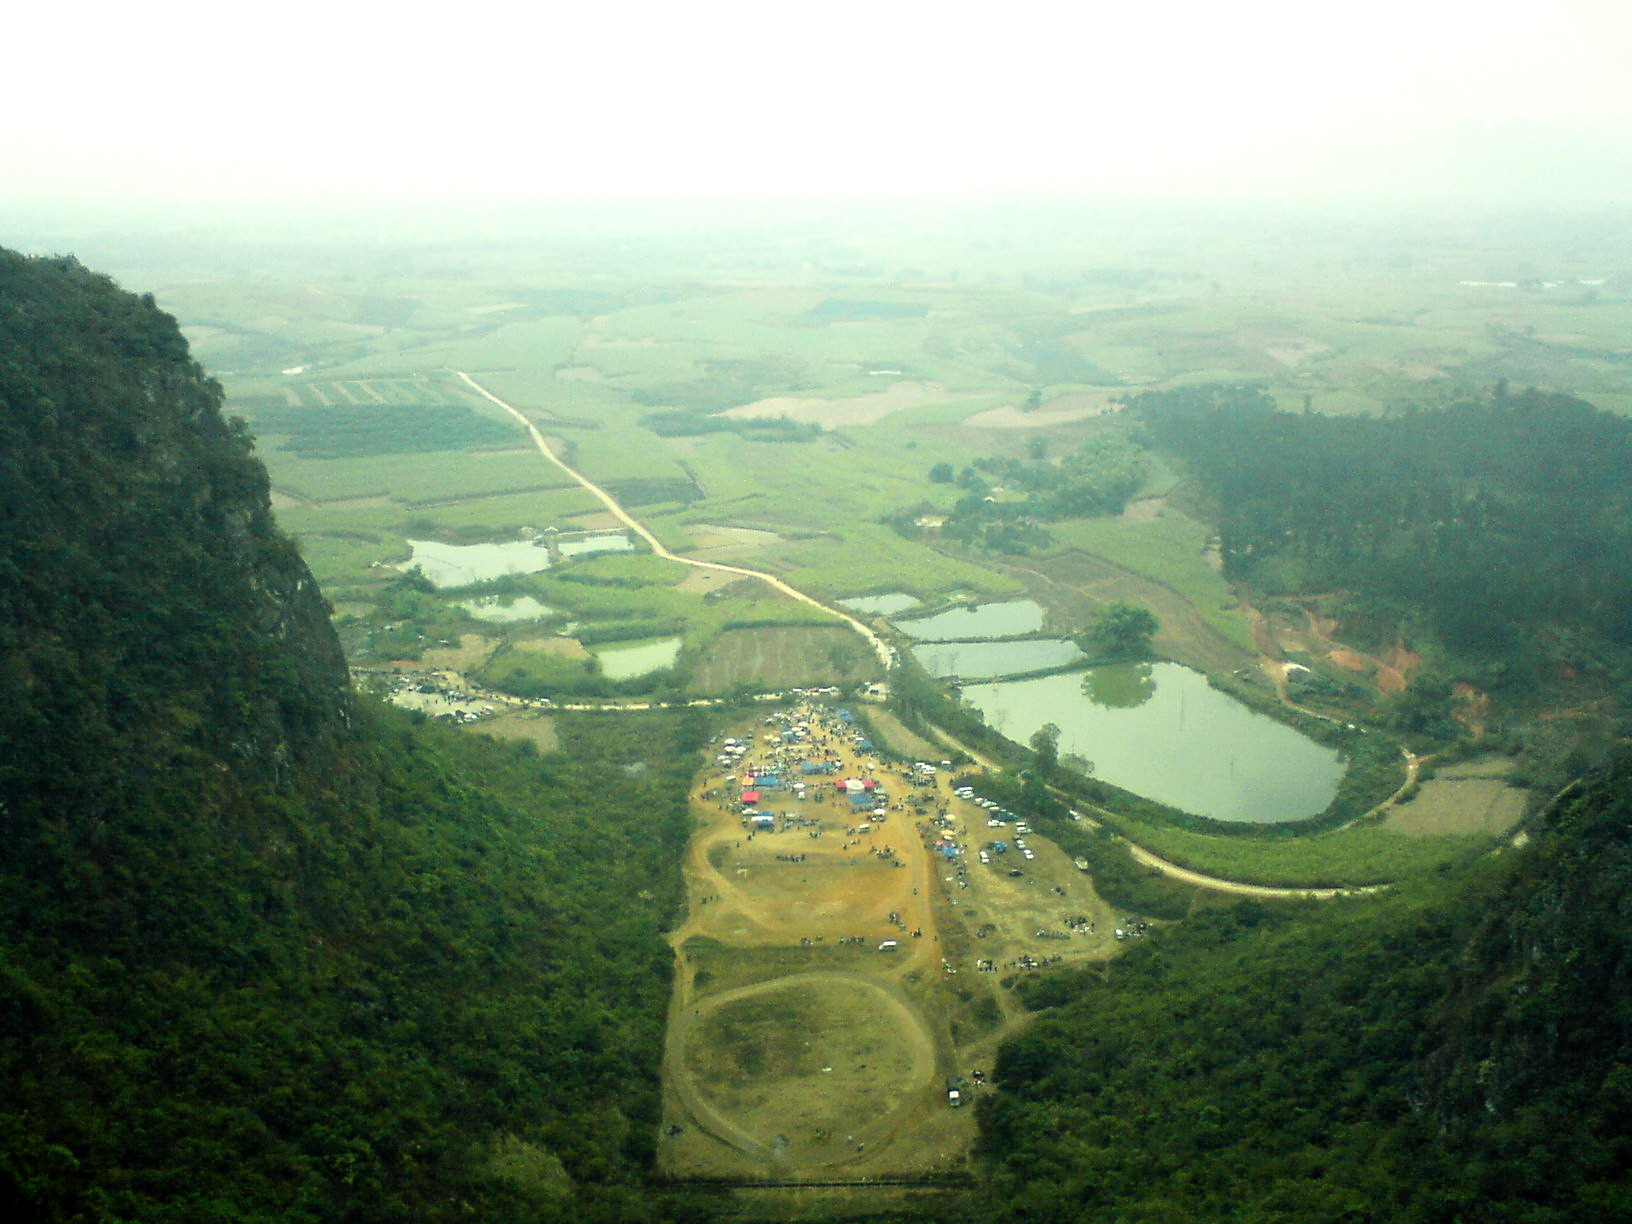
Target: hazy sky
340,101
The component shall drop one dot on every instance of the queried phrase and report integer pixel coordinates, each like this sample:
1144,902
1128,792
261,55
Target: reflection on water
1120,686
983,660
994,620
509,610
887,604
1159,730
583,546
457,565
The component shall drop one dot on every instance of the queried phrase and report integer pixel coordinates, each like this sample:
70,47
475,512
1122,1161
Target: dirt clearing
843,961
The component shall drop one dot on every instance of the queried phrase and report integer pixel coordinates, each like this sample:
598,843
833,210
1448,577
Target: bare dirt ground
797,1047
1315,635
1469,797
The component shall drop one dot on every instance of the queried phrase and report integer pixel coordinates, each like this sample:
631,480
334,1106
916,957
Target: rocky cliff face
149,607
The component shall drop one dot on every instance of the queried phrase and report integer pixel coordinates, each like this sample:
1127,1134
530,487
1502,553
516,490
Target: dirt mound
1348,660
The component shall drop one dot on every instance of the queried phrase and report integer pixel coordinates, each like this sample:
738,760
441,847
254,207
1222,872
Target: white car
1028,854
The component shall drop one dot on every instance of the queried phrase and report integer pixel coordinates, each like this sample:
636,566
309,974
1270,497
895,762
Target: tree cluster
1007,501
1493,519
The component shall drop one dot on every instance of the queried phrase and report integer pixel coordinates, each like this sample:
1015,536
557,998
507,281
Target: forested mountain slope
267,951
1502,522
1460,1054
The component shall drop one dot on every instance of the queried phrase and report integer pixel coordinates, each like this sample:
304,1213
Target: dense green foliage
384,429
148,606
1007,500
1414,1058
1494,518
1122,631
267,952
355,1000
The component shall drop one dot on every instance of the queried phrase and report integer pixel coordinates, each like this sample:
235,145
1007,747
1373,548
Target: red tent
750,796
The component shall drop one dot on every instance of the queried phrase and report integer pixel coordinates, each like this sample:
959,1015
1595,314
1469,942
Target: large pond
993,620
507,610
983,660
457,565
887,604
1159,730
637,659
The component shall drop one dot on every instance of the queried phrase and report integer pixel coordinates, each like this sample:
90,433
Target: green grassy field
1359,855
894,347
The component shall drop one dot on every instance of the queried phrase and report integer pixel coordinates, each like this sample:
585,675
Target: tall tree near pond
1123,631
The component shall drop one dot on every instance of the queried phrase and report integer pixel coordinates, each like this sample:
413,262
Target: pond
509,610
992,620
983,660
583,545
457,565
1159,730
625,661
887,604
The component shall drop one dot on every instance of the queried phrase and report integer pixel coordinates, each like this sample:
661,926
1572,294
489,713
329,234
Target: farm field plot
1472,798
773,658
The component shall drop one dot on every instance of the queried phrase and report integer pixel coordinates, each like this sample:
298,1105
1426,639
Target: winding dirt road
881,648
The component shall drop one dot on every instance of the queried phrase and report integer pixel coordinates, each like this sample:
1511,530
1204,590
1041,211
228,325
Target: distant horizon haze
344,106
